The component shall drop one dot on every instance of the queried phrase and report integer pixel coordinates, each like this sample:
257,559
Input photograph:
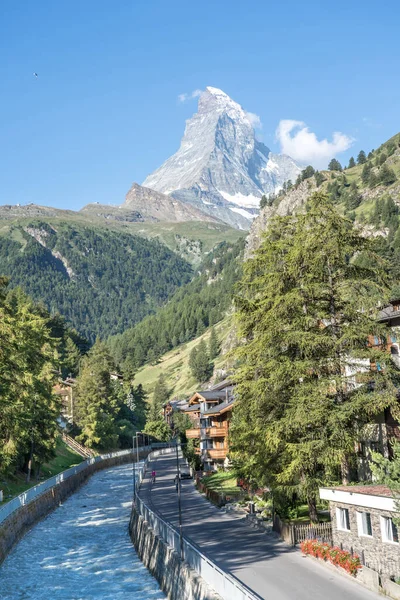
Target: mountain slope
369,193
220,167
101,281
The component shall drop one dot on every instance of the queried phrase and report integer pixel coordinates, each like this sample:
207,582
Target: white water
82,550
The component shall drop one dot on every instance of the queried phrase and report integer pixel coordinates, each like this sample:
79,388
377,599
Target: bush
334,555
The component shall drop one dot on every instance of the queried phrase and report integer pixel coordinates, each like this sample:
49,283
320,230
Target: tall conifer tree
306,310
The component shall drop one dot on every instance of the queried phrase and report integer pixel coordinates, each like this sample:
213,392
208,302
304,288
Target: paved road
265,564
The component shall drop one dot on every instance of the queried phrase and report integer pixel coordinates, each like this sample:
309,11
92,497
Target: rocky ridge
221,168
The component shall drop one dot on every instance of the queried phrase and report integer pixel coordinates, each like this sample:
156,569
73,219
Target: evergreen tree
353,198
96,403
28,409
386,175
386,471
361,158
213,345
334,165
352,162
373,180
307,172
300,402
366,173
319,178
159,398
200,364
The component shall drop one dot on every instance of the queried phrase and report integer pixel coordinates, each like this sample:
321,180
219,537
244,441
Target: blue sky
104,111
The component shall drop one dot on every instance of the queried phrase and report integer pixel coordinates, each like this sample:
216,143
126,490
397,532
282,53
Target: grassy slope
175,365
182,238
64,459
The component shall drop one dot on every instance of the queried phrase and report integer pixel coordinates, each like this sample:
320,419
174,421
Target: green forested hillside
199,304
102,281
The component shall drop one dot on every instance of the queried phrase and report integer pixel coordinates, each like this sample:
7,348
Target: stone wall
18,523
383,557
177,580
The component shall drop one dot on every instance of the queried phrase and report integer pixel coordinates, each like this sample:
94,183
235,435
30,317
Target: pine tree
200,364
334,165
159,398
96,403
352,162
213,345
361,158
365,173
386,175
306,310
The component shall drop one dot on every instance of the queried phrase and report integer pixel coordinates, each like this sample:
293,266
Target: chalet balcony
216,432
192,434
216,453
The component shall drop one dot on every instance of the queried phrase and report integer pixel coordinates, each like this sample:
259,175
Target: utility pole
179,499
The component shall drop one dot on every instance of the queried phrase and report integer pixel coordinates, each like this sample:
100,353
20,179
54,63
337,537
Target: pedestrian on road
153,476
176,481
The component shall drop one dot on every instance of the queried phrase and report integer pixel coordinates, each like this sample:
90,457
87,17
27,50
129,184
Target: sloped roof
219,408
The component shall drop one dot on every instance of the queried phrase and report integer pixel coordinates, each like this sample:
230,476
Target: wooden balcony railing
216,453
192,433
214,432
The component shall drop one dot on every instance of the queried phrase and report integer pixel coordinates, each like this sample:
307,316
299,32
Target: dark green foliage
200,363
382,158
386,175
361,158
29,363
307,172
366,173
266,201
373,180
97,400
159,398
334,165
159,430
213,344
352,197
298,412
199,304
319,178
116,278
352,162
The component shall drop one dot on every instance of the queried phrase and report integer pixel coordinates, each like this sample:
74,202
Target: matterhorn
221,167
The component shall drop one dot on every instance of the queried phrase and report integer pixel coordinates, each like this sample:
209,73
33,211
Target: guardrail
7,509
227,586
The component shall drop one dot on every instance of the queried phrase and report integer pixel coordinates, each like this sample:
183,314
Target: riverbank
82,549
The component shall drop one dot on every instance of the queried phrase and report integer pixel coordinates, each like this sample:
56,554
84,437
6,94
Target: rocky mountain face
291,202
156,206
220,167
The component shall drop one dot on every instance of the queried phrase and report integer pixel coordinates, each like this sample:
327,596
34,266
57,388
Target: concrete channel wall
192,577
22,513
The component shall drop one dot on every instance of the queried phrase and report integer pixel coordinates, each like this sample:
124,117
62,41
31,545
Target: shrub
336,556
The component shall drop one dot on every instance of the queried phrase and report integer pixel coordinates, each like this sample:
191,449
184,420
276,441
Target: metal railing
34,492
227,586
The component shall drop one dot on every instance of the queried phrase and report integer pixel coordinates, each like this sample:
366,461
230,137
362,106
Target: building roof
370,490
222,385
390,312
369,496
220,408
192,408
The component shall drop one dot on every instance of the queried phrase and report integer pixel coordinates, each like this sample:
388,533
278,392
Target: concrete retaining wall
19,522
177,580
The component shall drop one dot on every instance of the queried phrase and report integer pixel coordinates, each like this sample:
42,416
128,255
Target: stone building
362,522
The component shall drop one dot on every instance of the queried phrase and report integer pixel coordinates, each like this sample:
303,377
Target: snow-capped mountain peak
221,167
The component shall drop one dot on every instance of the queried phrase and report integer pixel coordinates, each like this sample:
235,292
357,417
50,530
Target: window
364,523
393,338
389,530
376,340
343,519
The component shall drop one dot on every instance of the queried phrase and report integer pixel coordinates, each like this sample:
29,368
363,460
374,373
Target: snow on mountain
220,167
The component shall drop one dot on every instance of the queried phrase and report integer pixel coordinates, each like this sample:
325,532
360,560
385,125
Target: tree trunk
345,470
312,509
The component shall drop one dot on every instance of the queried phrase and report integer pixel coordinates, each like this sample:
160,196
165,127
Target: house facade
363,523
210,412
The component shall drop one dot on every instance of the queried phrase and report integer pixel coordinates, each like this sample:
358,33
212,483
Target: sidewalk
265,564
